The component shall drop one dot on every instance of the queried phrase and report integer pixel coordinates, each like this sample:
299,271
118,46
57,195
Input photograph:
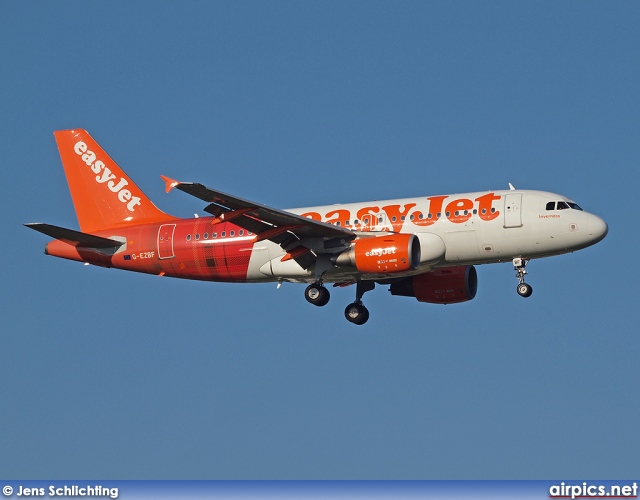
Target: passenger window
197,236
355,222
551,205
188,237
233,233
402,218
338,223
206,236
393,219
215,235
241,232
562,205
223,234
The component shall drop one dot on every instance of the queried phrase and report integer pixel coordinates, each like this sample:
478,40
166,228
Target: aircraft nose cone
598,228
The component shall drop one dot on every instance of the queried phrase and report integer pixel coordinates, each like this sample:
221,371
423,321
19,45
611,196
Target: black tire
524,290
356,314
366,316
317,295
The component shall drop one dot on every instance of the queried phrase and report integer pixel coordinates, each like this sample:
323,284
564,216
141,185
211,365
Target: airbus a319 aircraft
422,247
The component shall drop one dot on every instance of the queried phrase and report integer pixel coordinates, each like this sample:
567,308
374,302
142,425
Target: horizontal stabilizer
74,238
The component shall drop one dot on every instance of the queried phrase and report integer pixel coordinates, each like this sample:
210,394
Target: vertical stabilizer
103,195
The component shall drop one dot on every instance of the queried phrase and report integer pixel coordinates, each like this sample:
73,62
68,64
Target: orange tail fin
103,195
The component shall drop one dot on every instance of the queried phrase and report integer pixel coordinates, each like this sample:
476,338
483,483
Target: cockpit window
562,205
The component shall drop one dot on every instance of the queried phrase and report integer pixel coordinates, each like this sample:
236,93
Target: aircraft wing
268,223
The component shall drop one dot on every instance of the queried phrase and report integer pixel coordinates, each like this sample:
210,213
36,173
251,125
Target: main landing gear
317,294
524,290
355,312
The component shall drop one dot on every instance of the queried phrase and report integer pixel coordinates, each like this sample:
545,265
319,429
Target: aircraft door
165,241
512,210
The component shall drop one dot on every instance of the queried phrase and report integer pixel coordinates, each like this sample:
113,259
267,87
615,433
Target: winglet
170,183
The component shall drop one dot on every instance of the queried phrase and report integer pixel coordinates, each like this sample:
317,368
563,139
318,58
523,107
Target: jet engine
447,285
382,254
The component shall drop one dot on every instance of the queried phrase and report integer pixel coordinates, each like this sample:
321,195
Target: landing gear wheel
519,264
317,295
356,314
524,290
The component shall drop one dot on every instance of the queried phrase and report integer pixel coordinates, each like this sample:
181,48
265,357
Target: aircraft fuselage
476,228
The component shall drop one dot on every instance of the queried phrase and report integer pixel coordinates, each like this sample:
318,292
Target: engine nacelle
442,286
382,254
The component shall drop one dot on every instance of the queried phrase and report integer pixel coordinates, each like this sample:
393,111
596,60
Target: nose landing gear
524,289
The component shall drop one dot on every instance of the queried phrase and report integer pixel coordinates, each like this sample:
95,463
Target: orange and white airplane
421,247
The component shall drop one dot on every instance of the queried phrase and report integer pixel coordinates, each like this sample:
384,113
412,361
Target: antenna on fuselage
511,187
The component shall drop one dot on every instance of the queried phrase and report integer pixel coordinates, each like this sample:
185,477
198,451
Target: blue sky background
114,375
